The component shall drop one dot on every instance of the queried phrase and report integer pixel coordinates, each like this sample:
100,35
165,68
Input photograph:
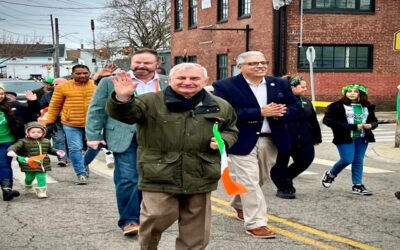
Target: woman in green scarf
352,119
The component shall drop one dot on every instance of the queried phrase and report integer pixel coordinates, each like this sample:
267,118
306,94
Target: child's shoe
29,189
41,193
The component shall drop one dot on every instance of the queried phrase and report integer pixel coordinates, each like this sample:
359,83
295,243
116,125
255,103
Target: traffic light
101,52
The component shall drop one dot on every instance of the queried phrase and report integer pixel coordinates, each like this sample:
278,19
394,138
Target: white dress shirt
260,92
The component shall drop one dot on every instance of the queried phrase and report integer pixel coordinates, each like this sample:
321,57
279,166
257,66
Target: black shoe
397,194
327,179
360,190
292,189
285,194
9,194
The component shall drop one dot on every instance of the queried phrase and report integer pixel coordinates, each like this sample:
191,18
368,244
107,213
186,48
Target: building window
339,5
182,59
244,8
338,57
192,59
178,60
192,13
222,66
178,15
223,10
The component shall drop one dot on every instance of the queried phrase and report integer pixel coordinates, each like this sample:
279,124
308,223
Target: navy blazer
239,94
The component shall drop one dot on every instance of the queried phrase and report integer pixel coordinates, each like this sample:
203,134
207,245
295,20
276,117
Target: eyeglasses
256,63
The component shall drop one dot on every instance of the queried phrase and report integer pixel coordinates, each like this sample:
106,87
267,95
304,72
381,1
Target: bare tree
139,23
16,46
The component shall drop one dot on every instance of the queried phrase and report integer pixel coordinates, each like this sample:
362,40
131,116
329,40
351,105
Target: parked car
20,86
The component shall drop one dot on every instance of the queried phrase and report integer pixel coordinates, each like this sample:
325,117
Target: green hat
358,86
49,80
294,81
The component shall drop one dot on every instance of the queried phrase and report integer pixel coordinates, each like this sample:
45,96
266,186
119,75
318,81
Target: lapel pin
272,84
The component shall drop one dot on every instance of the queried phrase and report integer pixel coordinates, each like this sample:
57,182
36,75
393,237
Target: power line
53,7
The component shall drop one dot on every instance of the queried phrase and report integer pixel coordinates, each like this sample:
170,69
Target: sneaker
41,193
360,189
109,159
239,214
285,194
82,180
261,232
397,194
29,189
131,229
327,179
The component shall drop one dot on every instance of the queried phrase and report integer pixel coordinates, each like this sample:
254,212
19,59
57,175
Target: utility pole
94,45
57,50
54,44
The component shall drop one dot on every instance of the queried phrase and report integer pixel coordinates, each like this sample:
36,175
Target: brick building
353,40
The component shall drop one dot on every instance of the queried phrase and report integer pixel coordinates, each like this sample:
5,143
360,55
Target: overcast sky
22,18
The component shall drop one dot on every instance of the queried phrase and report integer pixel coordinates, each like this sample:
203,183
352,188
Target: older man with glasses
263,104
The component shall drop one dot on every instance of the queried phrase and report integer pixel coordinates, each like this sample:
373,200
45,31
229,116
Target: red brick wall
260,38
376,29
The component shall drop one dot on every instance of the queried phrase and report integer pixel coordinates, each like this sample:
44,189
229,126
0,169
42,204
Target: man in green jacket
178,160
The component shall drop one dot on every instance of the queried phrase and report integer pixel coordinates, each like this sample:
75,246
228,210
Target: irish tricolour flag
231,186
33,161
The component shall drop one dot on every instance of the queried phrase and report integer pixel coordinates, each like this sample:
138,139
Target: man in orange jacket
72,100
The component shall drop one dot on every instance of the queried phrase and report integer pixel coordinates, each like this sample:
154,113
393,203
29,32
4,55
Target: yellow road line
309,229
298,237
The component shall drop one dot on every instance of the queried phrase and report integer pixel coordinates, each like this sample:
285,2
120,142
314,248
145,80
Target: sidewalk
384,152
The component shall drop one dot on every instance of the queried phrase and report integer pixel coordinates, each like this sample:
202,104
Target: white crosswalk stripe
384,133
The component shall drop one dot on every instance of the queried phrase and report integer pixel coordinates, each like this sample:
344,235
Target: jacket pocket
210,166
160,168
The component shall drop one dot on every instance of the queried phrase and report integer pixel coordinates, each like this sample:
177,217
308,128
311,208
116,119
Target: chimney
81,45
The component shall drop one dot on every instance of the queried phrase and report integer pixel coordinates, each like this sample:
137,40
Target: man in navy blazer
263,105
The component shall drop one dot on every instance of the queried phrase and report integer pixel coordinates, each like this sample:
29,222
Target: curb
376,156
387,121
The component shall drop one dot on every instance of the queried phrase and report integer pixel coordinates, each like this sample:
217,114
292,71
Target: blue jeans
58,136
90,154
75,137
352,153
126,186
6,173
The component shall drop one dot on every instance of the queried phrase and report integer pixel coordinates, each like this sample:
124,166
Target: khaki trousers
252,170
160,210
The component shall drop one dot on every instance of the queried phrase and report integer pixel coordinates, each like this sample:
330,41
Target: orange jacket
72,100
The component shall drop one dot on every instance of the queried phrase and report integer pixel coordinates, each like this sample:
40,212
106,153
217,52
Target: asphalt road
84,217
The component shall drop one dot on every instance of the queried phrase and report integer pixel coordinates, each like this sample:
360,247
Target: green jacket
174,154
99,126
30,147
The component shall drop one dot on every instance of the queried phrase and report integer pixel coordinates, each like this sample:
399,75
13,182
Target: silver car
20,86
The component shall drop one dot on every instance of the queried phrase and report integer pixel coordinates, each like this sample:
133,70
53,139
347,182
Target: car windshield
20,86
